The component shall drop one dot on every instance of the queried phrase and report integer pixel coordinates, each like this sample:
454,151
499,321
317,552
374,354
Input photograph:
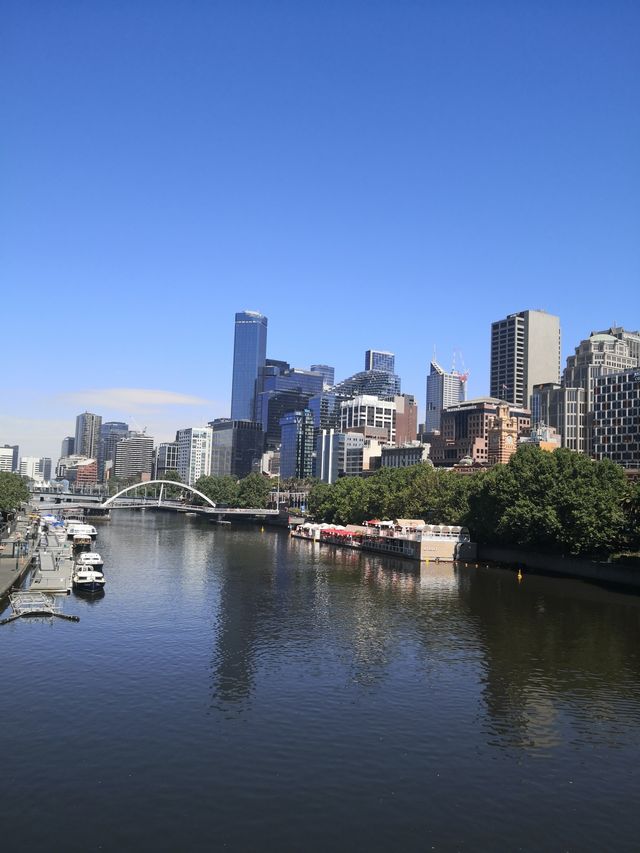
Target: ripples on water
241,690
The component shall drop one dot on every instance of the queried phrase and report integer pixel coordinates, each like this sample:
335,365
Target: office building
235,447
6,459
87,437
165,459
378,383
444,389
133,457
68,446
283,389
525,351
111,432
36,468
380,360
249,355
599,355
464,431
406,418
83,473
296,446
544,437
328,373
194,453
405,456
368,411
616,418
562,409
331,449
15,456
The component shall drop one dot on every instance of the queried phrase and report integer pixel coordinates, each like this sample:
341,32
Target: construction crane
463,373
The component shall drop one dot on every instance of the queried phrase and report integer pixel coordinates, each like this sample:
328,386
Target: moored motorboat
75,527
81,542
87,579
89,558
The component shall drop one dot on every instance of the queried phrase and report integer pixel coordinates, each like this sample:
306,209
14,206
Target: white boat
79,527
89,558
87,579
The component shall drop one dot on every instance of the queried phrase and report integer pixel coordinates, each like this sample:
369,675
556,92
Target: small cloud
131,398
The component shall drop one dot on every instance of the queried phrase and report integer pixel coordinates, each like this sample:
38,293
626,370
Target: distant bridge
117,501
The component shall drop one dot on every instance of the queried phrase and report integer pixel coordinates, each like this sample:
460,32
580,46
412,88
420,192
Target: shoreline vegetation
560,503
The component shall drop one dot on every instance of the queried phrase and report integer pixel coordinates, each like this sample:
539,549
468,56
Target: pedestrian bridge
124,500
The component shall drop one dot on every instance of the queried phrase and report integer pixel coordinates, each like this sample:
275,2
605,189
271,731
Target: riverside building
525,351
165,459
296,448
133,457
235,446
563,409
616,418
194,453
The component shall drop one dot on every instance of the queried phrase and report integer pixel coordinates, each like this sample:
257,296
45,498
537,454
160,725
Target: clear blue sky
393,175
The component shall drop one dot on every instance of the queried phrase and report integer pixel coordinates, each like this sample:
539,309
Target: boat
79,527
81,542
87,579
89,558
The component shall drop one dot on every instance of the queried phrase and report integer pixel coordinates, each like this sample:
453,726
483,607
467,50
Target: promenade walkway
16,551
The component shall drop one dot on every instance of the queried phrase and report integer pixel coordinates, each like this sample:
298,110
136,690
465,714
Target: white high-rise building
6,459
525,351
443,390
369,415
194,453
36,467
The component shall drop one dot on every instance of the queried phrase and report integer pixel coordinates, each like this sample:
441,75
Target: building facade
443,390
6,459
379,383
133,457
249,354
465,431
406,418
283,389
165,459
235,447
296,447
525,351
369,411
563,409
194,453
404,456
616,418
380,360
68,446
111,432
87,437
327,372
36,468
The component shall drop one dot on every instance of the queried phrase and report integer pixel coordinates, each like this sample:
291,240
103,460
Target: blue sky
393,175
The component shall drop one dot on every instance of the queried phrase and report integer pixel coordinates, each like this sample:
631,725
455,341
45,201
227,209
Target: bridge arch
110,500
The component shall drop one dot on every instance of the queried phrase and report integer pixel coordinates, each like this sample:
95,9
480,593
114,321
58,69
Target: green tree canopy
221,490
13,491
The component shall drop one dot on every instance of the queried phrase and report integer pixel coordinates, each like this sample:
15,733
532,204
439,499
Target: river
239,690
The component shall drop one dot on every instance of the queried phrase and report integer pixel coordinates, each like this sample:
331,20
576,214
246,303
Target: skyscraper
111,432
235,446
296,450
249,354
443,390
87,435
68,446
133,456
525,351
194,453
379,360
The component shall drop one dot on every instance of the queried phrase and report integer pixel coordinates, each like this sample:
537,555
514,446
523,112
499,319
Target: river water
239,690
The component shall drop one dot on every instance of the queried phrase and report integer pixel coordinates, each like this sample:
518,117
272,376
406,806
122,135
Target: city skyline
420,174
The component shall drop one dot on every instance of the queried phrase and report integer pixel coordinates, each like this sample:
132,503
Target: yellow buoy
262,530
519,575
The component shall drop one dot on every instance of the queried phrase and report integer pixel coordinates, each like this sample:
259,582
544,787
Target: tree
13,491
253,491
221,490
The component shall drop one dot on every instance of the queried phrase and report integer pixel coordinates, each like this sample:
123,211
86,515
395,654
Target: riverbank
572,567
16,554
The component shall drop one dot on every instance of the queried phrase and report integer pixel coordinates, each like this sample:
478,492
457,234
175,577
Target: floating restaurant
404,537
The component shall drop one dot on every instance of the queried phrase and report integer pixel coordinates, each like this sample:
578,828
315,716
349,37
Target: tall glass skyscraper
249,354
375,359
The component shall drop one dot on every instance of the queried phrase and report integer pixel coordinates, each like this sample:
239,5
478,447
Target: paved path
16,555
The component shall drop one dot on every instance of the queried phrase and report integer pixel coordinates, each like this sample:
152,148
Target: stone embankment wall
574,567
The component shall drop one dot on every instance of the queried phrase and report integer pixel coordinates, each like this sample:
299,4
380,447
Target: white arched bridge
122,500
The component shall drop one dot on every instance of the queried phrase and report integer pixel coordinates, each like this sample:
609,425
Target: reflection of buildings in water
439,577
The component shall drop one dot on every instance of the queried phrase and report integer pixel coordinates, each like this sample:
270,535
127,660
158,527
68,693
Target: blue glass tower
249,354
